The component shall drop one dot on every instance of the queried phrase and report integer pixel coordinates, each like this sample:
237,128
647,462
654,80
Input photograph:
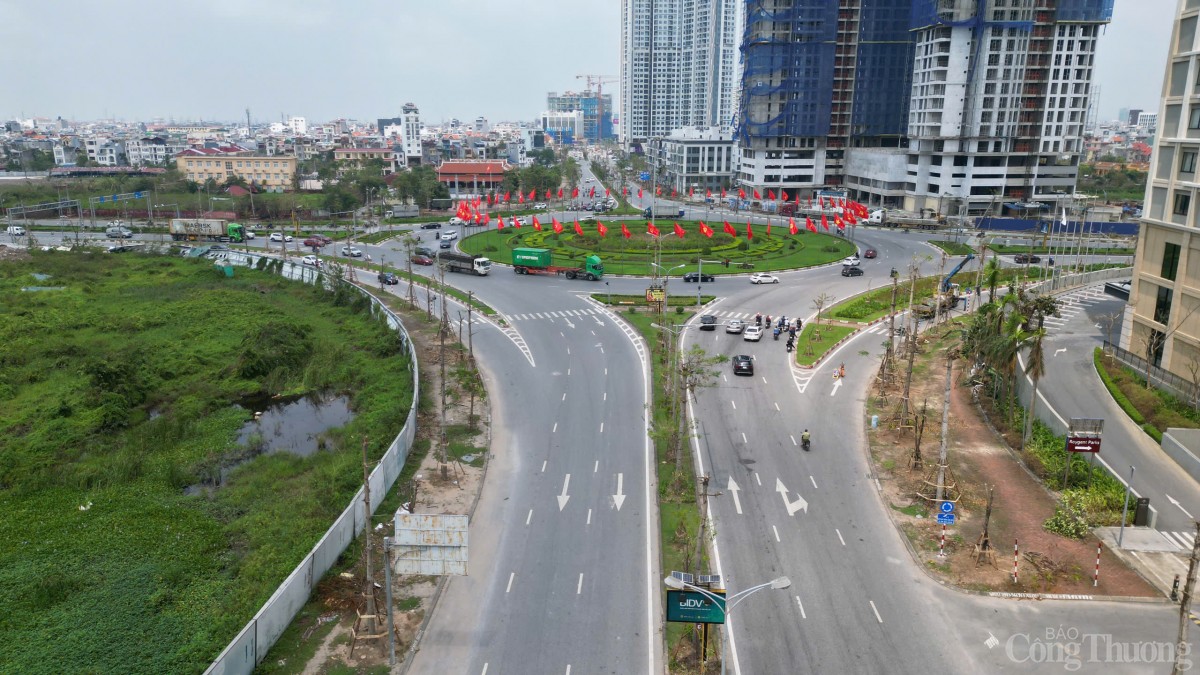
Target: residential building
597,112
274,174
152,150
357,158
1162,321
701,159
467,178
825,89
412,134
1132,116
104,151
563,127
679,65
298,125
1148,121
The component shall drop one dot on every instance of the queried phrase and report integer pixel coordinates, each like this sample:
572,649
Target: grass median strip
812,345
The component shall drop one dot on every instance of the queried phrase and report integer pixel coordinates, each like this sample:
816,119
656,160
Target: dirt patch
448,487
978,459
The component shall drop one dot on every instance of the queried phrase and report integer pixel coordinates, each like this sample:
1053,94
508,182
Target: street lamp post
727,604
666,279
700,281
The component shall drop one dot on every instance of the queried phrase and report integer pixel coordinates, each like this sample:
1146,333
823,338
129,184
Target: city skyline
363,82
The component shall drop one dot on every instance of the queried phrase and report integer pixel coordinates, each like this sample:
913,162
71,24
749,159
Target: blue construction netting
926,13
883,70
798,64
1084,10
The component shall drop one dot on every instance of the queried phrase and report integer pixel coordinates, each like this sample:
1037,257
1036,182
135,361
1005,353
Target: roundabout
629,249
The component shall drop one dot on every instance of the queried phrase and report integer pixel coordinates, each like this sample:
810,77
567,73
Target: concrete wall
1176,443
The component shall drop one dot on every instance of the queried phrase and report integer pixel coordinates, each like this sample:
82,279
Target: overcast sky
363,59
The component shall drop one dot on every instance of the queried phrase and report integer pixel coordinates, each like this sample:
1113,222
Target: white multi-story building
679,65
692,157
104,151
1001,120
298,125
412,134
1148,121
152,150
563,126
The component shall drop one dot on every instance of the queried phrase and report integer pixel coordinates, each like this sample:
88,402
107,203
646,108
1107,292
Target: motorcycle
804,443
777,332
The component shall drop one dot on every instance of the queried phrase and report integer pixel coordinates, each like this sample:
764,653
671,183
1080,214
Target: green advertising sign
694,607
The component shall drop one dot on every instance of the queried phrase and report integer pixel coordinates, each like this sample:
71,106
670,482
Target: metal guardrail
250,646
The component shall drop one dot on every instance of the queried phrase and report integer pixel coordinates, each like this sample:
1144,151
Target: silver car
735,326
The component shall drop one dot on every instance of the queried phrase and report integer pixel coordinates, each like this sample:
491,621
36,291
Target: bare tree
1153,339
819,303
1109,321
409,242
695,370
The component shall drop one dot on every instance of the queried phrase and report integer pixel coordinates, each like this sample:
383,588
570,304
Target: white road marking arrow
837,383
1059,351
619,498
562,499
1176,503
569,323
792,507
733,489
598,320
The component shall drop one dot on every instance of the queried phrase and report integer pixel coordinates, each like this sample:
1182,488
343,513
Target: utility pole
911,342
891,348
442,358
369,586
941,475
470,332
1185,605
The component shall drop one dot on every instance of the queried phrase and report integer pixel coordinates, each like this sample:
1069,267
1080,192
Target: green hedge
1114,390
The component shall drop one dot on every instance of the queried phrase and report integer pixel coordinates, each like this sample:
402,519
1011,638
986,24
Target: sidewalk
1147,551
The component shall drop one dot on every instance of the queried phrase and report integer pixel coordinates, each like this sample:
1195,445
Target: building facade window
1162,305
1183,202
1170,261
1187,163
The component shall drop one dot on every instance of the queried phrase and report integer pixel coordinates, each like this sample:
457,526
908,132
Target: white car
457,221
352,251
852,261
763,278
311,260
250,235
752,333
522,220
279,236
449,236
541,206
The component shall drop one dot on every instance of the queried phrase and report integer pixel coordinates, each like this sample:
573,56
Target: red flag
658,191
606,194
500,223
820,202
808,223
516,222
532,195
756,195
625,231
768,228
506,195
708,194
536,225
558,228
729,229
672,192
679,231
601,229
784,194
651,229
625,191
824,222
741,193
749,232
691,191
486,219
478,218
549,194
792,229
560,193
706,230
520,197
771,194
592,193
810,202
489,199
722,193
850,218
578,229
837,220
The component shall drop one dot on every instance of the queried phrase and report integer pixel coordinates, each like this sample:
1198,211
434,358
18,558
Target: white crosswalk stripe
1184,539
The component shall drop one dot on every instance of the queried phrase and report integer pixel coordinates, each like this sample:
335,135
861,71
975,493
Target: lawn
120,393
829,337
1153,409
952,247
1045,250
635,255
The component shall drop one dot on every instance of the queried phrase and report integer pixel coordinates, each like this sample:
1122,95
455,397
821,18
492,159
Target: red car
870,253
422,260
314,242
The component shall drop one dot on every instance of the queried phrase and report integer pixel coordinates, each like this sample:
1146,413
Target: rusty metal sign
430,544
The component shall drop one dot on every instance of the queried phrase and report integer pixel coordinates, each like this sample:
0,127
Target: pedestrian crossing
559,314
1184,539
1071,304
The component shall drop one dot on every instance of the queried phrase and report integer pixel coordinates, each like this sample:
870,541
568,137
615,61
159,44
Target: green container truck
538,261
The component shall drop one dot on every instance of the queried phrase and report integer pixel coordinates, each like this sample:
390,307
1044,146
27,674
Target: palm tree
991,274
1036,368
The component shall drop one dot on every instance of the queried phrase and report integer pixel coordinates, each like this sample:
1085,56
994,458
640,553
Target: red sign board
1083,444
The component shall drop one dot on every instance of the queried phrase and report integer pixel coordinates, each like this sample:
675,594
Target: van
118,233
16,230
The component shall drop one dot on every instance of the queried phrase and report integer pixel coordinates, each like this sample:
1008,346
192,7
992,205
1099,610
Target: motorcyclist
805,438
777,332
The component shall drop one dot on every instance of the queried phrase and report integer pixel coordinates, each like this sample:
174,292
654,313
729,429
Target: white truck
900,219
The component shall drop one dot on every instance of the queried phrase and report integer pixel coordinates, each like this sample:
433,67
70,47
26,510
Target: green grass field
119,393
634,255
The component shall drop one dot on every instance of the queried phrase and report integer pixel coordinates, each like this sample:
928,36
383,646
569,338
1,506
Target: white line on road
793,439
602,350
605,396
589,520
776,531
757,479
814,482
484,669
606,371
529,517
802,614
839,532
744,440
562,499
1176,503
733,490
579,586
568,669
555,429
876,610
564,396
593,332
764,379
568,351
543,466
602,427
511,576
561,333
734,404
777,406
1059,351
836,383
568,372
596,466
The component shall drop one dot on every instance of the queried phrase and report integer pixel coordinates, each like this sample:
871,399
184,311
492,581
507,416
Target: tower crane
598,81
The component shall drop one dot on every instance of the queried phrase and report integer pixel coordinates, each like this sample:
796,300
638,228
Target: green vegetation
952,247
679,302
1121,185
1152,409
1045,250
635,254
120,393
829,336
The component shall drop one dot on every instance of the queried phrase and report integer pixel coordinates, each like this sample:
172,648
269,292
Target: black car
1023,258
431,226
446,243
696,276
848,271
388,279
743,365
708,322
